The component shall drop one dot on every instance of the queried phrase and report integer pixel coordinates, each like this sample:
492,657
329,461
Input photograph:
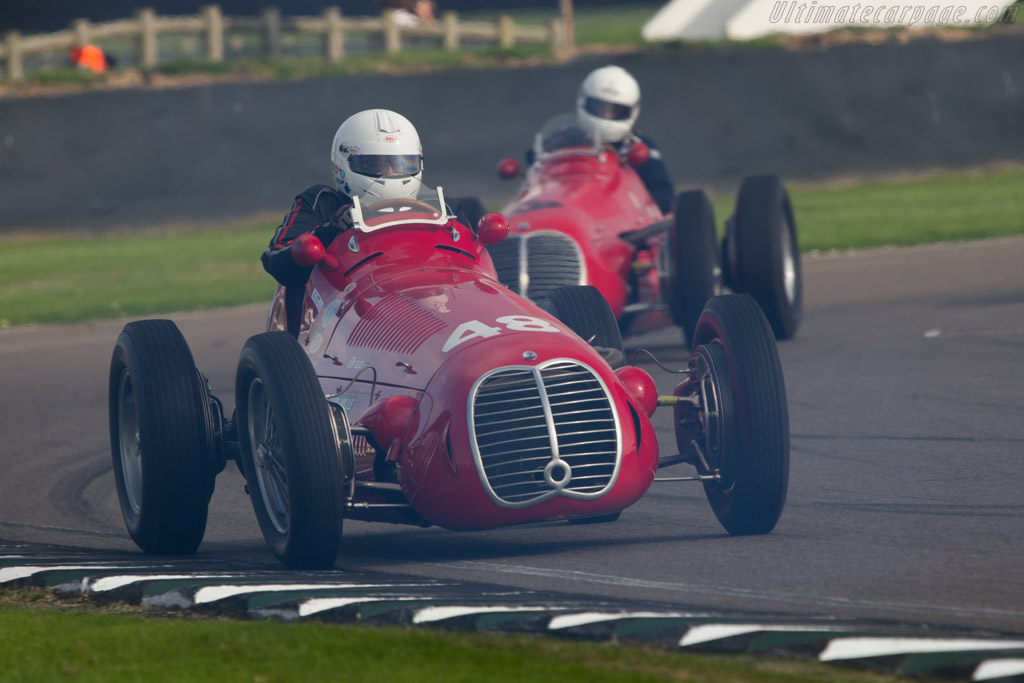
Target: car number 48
473,329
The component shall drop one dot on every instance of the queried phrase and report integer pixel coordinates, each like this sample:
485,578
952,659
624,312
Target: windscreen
563,132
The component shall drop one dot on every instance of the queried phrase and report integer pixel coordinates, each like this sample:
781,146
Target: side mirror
308,250
638,154
492,227
509,168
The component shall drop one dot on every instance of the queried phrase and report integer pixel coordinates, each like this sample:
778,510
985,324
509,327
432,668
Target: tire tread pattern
761,207
176,471
694,253
761,466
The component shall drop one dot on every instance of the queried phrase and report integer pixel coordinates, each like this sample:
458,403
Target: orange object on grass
89,57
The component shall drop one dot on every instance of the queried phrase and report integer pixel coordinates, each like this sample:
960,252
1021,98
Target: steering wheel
410,204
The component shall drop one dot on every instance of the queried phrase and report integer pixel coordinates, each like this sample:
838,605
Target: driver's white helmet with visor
376,154
608,103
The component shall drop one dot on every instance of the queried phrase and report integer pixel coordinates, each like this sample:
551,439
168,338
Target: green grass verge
60,279
943,207
73,640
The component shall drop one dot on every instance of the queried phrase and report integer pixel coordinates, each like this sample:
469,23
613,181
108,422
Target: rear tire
585,310
160,438
746,435
289,452
693,258
764,241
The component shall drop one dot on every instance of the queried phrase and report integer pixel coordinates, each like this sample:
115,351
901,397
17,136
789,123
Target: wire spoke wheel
271,472
290,452
740,425
129,449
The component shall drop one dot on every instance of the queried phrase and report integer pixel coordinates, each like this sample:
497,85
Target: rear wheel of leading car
764,245
743,424
160,438
693,259
586,312
289,452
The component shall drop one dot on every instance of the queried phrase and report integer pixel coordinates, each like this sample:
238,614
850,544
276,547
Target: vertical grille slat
534,263
510,436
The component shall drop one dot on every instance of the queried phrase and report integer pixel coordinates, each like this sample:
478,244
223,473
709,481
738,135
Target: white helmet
377,153
608,103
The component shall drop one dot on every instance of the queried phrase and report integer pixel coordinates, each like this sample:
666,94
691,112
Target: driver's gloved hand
338,223
342,218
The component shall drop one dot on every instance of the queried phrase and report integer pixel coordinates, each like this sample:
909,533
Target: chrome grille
533,264
542,432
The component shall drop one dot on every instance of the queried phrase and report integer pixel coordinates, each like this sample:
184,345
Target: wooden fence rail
212,25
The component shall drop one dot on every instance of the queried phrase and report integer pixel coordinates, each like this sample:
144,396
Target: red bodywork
402,331
591,195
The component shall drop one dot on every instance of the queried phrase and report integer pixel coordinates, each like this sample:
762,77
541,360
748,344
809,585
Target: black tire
471,207
586,312
748,440
693,259
289,452
159,438
767,252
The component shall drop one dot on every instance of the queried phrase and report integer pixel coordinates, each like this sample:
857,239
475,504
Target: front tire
746,432
693,254
159,438
763,240
289,452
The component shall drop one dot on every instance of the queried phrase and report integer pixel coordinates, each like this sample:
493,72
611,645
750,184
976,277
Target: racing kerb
216,153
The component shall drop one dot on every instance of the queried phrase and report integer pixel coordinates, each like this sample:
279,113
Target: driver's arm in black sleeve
313,210
654,173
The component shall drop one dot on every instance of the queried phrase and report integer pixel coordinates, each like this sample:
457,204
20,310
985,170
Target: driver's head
608,103
376,154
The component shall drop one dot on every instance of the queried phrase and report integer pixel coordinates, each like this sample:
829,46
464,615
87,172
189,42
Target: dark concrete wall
136,157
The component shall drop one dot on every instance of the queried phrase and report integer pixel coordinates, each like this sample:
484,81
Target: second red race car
584,217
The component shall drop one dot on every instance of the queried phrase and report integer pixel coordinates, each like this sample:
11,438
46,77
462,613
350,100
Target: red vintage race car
415,388
583,216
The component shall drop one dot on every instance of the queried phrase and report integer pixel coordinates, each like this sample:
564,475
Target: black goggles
377,165
604,109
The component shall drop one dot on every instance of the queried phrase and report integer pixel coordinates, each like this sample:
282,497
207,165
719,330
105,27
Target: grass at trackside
952,206
616,25
66,279
72,640
940,208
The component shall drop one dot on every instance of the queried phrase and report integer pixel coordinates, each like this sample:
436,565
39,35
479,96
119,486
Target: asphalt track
905,389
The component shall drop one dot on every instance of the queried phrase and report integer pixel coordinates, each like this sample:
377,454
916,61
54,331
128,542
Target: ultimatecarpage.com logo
862,14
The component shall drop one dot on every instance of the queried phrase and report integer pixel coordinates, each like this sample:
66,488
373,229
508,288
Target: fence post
450,20
558,39
272,31
335,34
568,25
82,29
15,70
213,24
392,33
149,54
506,32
